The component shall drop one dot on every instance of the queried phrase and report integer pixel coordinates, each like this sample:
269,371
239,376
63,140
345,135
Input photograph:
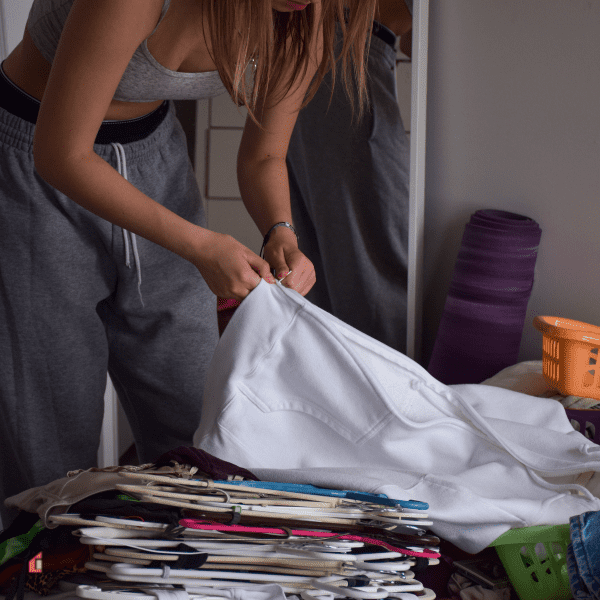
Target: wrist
197,242
281,234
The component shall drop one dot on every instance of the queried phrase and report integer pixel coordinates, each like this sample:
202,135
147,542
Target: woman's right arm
96,45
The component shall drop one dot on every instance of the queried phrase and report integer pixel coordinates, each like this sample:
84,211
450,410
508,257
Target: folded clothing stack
172,533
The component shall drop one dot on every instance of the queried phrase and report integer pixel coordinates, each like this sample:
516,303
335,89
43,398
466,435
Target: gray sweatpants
70,310
349,189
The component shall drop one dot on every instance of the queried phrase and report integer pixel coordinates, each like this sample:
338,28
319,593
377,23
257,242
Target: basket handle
561,328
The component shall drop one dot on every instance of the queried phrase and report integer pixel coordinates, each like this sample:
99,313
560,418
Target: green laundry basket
535,559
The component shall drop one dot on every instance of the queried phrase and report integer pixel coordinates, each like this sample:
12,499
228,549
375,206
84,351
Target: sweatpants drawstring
127,235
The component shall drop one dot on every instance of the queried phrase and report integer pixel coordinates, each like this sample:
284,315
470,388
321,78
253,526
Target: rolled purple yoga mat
482,323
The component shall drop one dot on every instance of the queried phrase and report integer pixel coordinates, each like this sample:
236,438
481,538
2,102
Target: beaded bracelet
268,235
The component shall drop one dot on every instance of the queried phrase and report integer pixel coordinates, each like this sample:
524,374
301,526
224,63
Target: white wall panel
222,163
224,112
231,217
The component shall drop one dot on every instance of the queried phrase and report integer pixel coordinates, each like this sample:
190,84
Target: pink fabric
195,524
225,303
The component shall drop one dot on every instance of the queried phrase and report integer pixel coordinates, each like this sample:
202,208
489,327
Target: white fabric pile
296,395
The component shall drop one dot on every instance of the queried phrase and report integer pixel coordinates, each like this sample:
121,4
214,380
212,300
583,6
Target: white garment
248,592
296,395
528,377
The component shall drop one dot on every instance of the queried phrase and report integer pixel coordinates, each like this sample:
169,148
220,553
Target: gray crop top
144,79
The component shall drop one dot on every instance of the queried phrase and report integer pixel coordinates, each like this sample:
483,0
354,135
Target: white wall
513,122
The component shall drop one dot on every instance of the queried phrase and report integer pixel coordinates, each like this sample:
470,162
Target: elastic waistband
17,133
20,104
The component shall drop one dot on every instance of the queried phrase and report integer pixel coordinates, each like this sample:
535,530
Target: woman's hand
291,266
229,268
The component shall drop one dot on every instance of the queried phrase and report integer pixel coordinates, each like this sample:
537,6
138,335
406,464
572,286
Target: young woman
91,157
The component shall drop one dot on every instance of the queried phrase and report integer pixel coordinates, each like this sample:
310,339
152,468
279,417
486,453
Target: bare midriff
29,70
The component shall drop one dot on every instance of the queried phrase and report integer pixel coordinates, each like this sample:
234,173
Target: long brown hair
252,42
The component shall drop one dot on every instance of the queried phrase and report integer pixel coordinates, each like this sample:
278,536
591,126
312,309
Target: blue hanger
299,488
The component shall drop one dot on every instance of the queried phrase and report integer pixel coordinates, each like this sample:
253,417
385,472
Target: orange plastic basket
570,354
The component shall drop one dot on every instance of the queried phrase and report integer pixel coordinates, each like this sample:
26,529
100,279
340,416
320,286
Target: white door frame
416,213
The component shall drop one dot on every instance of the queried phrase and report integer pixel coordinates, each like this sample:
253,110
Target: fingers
230,269
301,274
292,268
261,268
250,279
256,270
280,267
283,271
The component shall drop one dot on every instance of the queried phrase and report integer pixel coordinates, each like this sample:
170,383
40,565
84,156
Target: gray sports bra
144,79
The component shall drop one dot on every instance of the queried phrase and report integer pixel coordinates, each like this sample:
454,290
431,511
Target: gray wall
14,13
513,122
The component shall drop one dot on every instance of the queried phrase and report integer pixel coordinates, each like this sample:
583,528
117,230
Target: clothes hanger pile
313,542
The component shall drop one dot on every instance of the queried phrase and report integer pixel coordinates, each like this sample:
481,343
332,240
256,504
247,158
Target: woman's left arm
263,178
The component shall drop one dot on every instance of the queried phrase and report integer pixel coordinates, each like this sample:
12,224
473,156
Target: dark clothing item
48,541
188,559
24,526
210,465
22,105
349,186
113,507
